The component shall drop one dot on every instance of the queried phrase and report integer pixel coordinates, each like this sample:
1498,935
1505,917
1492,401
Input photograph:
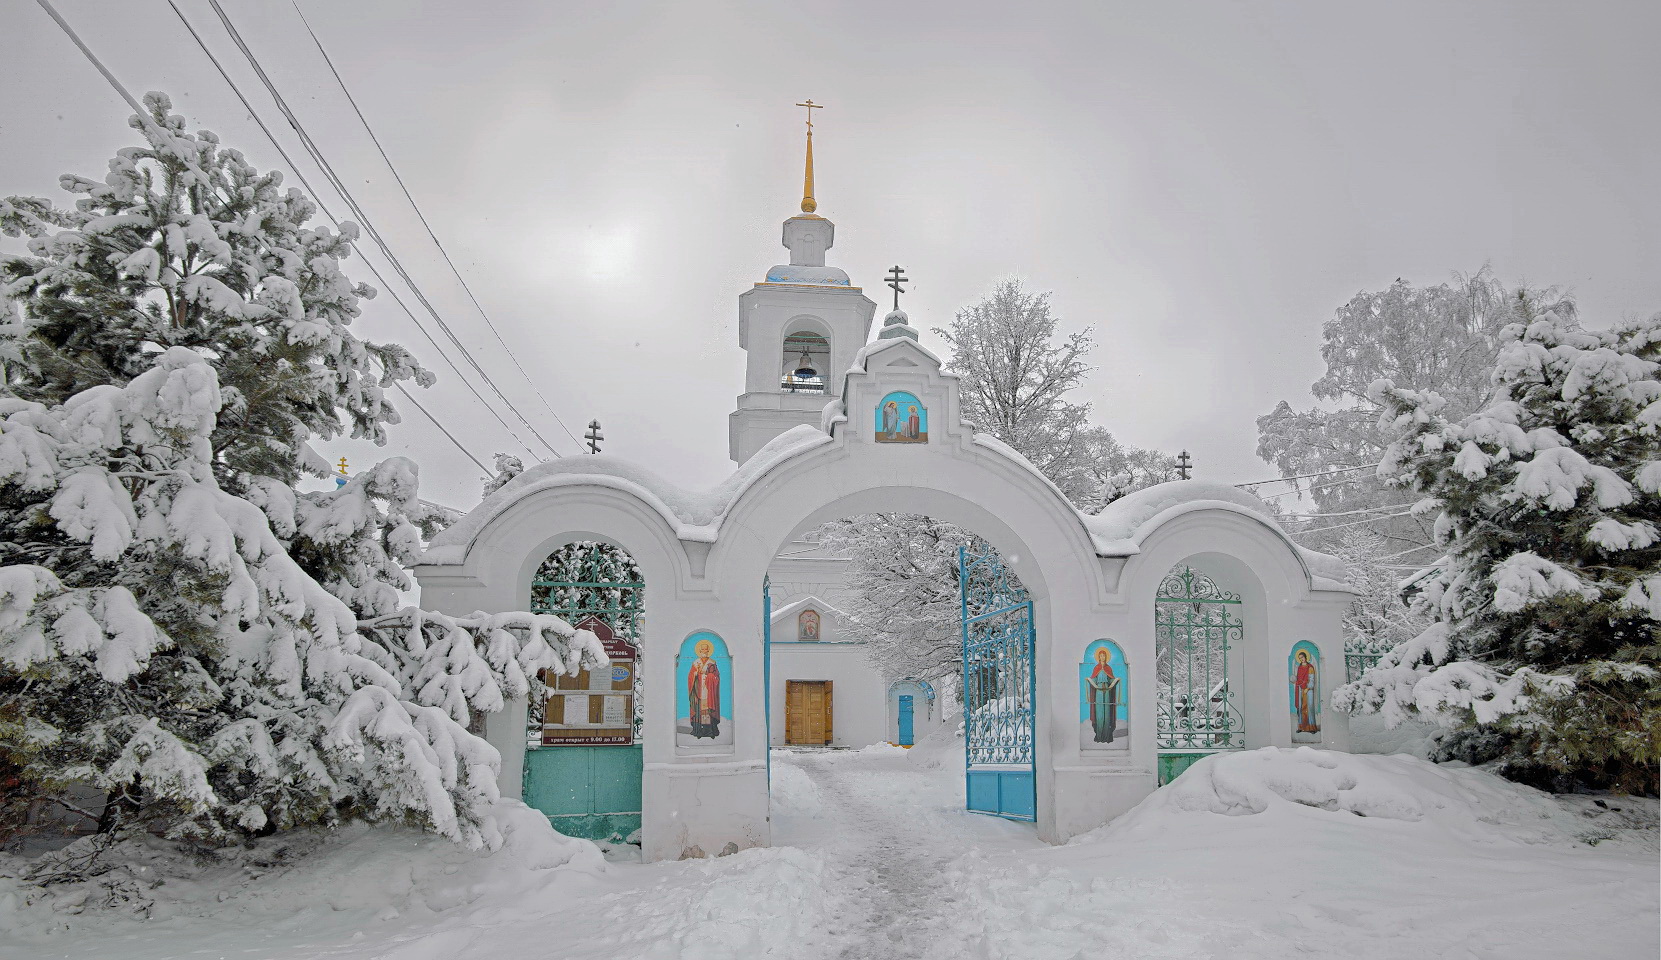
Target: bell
804,367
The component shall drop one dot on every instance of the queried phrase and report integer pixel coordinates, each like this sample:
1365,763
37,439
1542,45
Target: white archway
706,553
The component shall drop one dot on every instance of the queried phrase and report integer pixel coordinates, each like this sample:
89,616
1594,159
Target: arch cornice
524,528
1220,527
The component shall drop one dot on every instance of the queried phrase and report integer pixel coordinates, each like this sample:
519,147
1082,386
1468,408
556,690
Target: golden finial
808,203
343,466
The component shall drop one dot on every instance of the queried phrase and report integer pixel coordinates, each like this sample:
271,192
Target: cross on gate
1184,463
895,278
594,436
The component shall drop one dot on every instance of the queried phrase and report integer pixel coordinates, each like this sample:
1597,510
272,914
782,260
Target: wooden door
807,712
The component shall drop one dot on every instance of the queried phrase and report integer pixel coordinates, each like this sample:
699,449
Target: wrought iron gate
1195,624
999,688
589,791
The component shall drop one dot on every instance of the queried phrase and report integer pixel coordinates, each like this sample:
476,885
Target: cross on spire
594,436
811,106
895,278
808,203
1184,464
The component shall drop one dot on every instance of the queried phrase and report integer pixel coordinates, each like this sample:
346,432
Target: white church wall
857,713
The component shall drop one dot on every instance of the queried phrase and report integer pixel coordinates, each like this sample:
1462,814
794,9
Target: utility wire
363,217
1340,513
1428,546
144,117
1351,523
401,389
143,114
1306,476
428,227
317,198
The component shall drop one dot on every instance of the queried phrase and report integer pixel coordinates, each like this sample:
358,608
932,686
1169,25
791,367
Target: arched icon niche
703,695
1104,703
901,418
1303,687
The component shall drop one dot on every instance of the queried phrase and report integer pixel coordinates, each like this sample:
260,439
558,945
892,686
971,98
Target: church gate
583,757
999,688
1196,623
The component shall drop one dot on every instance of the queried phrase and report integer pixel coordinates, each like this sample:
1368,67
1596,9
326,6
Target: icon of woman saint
1303,693
890,418
1104,697
703,692
913,424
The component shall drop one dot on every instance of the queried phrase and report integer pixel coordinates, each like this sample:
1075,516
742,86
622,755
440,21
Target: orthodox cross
1184,464
895,278
811,106
594,436
340,481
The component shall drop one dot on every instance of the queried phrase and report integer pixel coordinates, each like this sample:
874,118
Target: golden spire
808,203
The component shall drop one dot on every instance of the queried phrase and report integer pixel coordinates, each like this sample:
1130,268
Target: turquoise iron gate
1195,625
589,791
999,689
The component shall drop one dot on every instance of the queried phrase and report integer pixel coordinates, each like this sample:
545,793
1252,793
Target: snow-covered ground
1262,854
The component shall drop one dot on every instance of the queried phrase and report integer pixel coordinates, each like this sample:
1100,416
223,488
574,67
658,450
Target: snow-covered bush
179,627
1545,650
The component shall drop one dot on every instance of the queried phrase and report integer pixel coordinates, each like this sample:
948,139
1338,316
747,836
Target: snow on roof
692,514
1119,528
796,606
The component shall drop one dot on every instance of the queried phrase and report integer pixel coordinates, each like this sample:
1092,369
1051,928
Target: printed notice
576,709
614,712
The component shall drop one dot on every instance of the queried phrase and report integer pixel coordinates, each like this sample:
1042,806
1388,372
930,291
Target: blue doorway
906,736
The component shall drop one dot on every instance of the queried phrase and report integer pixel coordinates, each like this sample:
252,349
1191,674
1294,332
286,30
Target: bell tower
800,329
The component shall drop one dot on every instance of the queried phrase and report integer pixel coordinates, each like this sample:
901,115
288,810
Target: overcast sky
1201,183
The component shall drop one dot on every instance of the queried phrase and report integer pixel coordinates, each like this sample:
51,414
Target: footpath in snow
1264,854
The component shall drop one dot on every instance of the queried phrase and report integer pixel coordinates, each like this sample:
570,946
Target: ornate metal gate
999,688
1195,624
589,791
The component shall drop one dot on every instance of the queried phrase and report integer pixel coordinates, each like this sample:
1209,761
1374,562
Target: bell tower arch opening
800,328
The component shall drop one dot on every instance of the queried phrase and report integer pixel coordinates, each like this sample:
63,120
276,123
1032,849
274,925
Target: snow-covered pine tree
178,626
1545,651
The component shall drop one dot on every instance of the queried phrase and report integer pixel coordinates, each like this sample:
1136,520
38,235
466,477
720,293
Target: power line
401,389
1340,513
1318,486
317,198
1306,476
426,226
144,117
1352,523
1428,546
363,217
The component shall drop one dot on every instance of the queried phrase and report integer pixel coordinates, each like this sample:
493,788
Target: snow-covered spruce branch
481,661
